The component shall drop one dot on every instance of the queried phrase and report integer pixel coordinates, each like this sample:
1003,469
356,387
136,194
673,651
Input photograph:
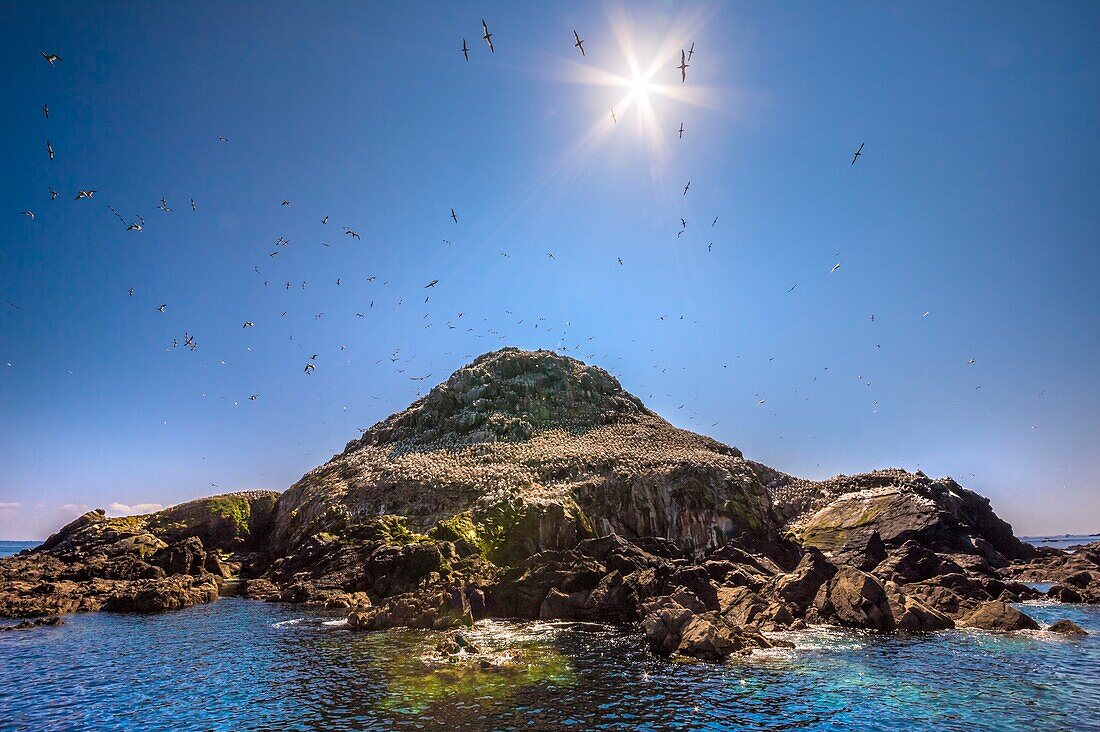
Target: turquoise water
246,665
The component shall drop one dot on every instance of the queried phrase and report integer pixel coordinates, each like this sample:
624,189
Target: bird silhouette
487,36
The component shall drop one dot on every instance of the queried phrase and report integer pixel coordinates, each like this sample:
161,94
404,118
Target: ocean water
1061,541
248,665
7,548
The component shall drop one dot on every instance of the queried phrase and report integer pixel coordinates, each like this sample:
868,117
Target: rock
44,622
840,516
671,628
998,616
912,615
1067,627
173,593
799,587
855,599
184,557
662,625
436,609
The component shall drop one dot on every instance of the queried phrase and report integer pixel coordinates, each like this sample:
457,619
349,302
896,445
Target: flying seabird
465,49
858,153
454,215
53,195
691,51
613,119
46,110
681,130
687,187
485,34
433,283
835,268
84,194
51,58
28,214
579,44
324,221
683,67
351,233
160,308
248,324
309,368
49,149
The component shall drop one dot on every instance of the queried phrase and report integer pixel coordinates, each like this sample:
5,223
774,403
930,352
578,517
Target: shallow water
246,665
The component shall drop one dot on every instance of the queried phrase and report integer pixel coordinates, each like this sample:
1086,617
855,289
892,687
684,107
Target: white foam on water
340,623
281,623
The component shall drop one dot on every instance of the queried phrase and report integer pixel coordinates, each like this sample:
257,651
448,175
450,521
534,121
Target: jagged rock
172,593
437,609
799,587
671,628
913,562
1067,627
840,515
855,599
184,557
998,616
913,615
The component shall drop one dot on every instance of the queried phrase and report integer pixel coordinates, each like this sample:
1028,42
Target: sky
969,228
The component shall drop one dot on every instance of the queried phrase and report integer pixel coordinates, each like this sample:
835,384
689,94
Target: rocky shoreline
530,485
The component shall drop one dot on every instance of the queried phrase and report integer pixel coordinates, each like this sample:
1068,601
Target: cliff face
536,451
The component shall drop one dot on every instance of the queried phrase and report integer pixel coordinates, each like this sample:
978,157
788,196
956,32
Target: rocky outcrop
135,563
858,519
1074,572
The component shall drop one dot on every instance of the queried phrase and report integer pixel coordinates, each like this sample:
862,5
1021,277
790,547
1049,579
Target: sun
640,87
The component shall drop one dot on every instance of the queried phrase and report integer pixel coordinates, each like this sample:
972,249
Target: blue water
247,665
1061,541
7,548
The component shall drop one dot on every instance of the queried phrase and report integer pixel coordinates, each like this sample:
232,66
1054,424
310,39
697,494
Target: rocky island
531,485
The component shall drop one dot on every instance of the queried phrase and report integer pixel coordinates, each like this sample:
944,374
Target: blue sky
975,201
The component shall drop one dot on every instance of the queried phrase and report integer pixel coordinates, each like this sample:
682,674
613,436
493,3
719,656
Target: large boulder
998,616
800,586
855,599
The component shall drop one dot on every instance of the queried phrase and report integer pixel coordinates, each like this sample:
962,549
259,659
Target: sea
247,665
